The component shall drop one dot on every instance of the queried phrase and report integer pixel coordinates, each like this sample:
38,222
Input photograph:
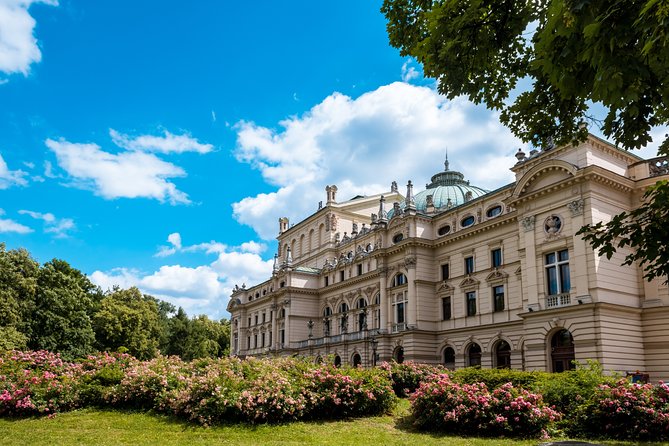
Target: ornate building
461,276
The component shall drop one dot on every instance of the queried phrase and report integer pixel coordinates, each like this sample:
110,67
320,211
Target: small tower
331,192
283,225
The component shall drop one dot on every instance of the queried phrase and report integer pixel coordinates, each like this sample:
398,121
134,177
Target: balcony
658,166
558,300
396,328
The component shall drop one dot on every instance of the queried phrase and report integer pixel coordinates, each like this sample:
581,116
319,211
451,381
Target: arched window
398,355
502,355
474,355
562,351
337,361
362,315
399,279
343,319
449,358
357,360
398,238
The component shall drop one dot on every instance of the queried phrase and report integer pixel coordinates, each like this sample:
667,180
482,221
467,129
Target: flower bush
441,404
626,411
206,391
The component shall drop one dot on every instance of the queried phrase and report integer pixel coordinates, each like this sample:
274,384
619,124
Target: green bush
566,391
494,378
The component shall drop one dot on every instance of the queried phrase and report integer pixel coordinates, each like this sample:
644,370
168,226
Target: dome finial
446,161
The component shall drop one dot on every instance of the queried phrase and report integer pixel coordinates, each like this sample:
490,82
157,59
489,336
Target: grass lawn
101,427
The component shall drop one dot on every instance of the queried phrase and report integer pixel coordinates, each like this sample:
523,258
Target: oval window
444,230
398,238
467,221
494,211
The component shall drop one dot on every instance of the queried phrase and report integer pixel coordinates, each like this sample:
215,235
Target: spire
446,161
289,257
383,215
410,203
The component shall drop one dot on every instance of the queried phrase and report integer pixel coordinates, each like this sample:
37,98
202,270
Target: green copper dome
448,189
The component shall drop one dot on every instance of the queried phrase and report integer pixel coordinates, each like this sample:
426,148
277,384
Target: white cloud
18,45
396,132
169,143
409,72
9,178
124,175
7,225
212,247
59,227
202,289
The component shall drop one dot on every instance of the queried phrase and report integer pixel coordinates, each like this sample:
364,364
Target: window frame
470,303
560,268
498,299
469,265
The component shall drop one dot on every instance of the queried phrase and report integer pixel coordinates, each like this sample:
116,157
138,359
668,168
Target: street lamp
375,344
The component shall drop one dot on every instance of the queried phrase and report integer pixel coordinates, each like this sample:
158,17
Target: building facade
462,276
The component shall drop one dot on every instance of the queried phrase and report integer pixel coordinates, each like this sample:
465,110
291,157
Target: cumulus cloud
18,45
59,227
7,225
201,289
212,247
396,132
9,178
128,174
169,143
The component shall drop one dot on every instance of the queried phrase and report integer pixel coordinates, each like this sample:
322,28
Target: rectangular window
264,318
249,321
341,276
360,270
270,339
557,272
470,297
282,334
445,273
498,297
496,258
446,308
256,319
327,280
400,313
248,342
255,341
469,265
262,339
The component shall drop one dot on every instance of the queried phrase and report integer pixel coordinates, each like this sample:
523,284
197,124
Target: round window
467,221
398,238
444,230
494,211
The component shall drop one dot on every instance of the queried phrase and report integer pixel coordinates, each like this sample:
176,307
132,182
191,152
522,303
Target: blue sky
156,143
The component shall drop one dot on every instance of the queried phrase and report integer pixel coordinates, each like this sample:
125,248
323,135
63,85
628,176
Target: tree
63,305
614,53
128,319
18,285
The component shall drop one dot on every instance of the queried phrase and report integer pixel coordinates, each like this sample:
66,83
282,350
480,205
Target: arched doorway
562,351
398,355
474,355
502,355
357,360
449,358
337,361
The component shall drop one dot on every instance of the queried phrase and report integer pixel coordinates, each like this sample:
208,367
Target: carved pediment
444,287
469,282
496,276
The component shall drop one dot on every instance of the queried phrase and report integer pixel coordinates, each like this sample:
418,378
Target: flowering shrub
626,411
441,404
406,377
